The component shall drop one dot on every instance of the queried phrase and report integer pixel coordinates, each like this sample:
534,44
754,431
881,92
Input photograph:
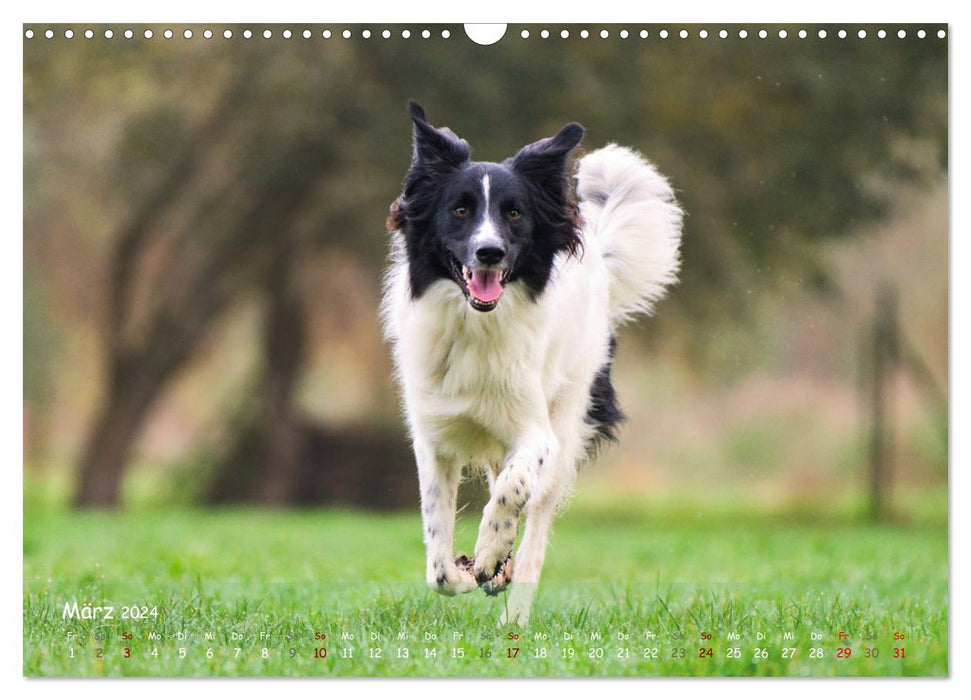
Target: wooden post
885,354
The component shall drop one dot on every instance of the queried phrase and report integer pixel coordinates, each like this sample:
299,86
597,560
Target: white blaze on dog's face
485,272
485,225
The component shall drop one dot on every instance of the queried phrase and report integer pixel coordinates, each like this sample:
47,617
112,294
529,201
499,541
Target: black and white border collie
501,303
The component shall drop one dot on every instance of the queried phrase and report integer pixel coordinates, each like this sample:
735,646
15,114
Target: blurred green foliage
772,144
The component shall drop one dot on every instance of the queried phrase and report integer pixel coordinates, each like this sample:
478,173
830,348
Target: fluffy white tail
630,207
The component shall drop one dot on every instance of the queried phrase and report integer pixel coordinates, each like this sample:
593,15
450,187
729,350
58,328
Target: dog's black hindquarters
604,411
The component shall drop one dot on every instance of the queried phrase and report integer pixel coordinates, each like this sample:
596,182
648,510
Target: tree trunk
277,457
264,462
283,347
108,448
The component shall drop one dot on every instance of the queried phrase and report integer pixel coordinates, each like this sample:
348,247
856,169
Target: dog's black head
485,225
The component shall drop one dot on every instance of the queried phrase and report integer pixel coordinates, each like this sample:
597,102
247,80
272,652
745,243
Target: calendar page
525,350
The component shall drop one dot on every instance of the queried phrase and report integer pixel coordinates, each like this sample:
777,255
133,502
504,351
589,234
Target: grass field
628,590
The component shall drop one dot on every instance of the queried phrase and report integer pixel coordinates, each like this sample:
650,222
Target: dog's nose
490,254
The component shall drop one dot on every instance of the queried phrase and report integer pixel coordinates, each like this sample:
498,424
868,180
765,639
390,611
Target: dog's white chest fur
470,379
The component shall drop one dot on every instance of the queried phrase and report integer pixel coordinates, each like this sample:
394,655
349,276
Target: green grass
615,574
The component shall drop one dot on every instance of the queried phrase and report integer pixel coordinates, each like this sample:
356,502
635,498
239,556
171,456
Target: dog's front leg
439,482
500,517
553,485
529,560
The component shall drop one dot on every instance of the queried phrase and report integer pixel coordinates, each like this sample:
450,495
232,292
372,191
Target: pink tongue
484,285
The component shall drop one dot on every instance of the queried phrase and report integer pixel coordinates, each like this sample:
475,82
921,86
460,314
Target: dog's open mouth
482,285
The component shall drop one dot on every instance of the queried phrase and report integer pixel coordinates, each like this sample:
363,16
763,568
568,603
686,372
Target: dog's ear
547,157
435,147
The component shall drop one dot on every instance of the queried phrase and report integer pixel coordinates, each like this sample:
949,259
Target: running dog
501,303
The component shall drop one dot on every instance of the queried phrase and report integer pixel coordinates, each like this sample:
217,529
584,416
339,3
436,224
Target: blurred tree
43,345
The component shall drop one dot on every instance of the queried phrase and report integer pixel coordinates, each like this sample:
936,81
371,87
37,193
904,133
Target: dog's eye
461,212
513,215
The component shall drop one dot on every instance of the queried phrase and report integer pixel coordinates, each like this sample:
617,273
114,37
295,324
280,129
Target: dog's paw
518,605
493,549
456,578
514,616
497,584
520,619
